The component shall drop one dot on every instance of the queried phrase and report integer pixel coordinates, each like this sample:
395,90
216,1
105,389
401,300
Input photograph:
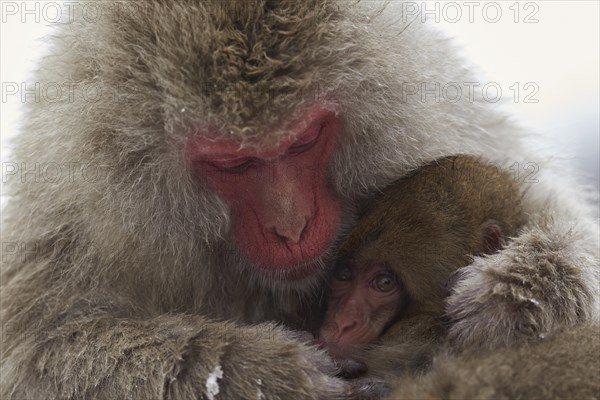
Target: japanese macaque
385,308
173,212
397,261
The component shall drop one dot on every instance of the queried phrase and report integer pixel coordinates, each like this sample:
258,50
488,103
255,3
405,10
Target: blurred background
544,55
555,45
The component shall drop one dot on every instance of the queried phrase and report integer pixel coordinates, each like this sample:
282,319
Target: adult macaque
562,365
242,136
397,260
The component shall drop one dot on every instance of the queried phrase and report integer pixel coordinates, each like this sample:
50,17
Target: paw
279,364
349,368
499,300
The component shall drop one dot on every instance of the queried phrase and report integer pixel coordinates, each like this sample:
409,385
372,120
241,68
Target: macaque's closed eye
234,166
239,165
305,143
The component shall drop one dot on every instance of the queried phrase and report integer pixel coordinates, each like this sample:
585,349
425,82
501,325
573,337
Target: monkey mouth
304,271
346,341
294,262
296,273
311,269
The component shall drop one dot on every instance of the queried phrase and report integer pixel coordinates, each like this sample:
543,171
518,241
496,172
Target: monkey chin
304,276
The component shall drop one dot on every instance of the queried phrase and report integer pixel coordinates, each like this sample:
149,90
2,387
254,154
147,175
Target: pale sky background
559,53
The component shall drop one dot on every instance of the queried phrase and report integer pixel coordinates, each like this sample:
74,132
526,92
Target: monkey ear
491,237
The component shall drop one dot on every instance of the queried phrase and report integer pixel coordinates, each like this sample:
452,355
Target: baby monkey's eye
342,273
384,282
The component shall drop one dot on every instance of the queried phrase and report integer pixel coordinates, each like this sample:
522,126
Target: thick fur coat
122,277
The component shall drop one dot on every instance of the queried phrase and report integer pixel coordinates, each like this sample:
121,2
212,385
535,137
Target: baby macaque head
362,302
366,295
397,260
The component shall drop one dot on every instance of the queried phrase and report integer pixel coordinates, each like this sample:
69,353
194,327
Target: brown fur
564,365
427,225
121,282
424,227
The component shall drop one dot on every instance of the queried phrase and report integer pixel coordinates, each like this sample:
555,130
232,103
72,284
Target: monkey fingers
350,368
366,389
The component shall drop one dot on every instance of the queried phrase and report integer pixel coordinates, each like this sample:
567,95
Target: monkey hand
362,388
350,368
346,361
536,284
348,365
264,362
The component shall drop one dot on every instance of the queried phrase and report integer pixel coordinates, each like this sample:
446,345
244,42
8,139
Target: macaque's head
243,134
397,260
275,137
367,293
264,119
269,159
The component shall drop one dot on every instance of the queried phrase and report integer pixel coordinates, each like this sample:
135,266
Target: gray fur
563,365
108,302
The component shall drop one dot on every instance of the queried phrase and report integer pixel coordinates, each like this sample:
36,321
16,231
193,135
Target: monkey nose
291,231
346,326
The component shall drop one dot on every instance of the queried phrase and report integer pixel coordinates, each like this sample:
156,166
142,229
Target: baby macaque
396,263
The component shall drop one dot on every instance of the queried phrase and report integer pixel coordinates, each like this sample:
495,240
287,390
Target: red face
362,302
284,213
